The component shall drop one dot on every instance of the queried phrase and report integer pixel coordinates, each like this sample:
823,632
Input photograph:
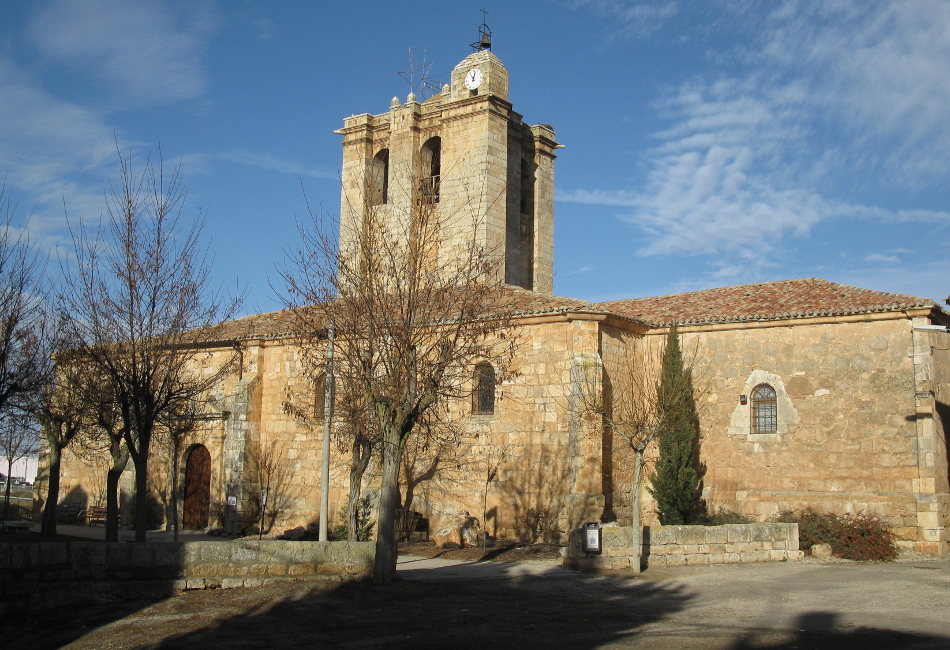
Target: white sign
593,539
232,501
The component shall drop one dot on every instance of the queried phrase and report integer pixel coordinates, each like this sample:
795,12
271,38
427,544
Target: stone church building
814,393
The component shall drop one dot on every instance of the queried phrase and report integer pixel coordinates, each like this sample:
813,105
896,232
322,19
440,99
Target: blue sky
707,143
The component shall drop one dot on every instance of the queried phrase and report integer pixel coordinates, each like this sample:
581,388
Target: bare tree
355,432
628,402
62,413
413,311
138,301
18,439
24,316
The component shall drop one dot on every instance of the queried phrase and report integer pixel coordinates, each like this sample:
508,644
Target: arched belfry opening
197,493
378,189
431,170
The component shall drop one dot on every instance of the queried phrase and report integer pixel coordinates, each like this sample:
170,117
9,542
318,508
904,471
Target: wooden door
197,489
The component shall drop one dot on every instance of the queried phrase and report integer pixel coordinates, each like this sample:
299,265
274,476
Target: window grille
483,402
764,410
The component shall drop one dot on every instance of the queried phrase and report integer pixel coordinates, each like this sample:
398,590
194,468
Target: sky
707,143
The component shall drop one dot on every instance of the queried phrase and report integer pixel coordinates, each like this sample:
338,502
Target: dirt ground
812,604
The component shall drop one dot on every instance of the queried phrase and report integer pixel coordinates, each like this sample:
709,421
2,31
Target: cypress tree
675,479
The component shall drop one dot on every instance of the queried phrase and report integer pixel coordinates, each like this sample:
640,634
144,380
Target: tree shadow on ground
822,630
523,612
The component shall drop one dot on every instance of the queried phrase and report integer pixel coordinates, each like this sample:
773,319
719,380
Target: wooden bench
96,515
67,513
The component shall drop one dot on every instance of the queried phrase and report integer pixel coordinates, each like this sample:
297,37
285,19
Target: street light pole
327,419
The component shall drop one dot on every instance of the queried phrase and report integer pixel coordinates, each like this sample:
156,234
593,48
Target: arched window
378,189
764,410
431,170
483,398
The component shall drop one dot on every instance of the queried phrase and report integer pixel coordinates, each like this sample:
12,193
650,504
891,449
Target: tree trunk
360,461
6,497
636,533
120,458
384,570
173,515
140,461
48,524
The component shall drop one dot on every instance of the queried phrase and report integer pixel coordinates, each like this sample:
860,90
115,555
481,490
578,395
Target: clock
473,79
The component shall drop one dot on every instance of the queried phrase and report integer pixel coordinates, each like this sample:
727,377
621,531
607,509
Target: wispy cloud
631,18
276,164
142,51
818,100
882,259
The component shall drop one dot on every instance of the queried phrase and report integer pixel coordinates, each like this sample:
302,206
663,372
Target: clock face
473,79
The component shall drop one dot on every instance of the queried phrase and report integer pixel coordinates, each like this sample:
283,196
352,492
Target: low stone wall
680,545
164,567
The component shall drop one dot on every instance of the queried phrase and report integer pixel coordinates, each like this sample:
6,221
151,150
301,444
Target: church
814,394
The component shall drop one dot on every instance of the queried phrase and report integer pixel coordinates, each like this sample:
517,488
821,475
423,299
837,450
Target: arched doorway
197,488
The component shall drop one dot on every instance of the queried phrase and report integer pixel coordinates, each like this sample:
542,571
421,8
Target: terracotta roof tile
278,324
764,301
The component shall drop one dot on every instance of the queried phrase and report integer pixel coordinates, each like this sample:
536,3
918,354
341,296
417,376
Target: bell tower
464,149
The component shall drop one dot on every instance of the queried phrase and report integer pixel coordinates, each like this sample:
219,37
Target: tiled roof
278,324
761,302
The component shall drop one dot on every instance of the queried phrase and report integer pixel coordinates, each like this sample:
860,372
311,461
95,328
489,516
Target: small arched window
764,409
483,398
378,189
431,170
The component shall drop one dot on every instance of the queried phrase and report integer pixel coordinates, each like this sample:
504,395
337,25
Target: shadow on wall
533,497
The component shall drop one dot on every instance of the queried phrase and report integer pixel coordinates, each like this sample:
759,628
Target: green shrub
722,517
364,523
863,536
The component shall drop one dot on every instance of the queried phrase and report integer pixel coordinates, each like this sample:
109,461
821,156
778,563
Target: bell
485,43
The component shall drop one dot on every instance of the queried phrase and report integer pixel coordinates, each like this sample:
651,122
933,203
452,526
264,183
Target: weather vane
427,85
484,35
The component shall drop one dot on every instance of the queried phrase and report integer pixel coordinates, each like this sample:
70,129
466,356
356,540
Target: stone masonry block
716,535
716,558
52,554
748,557
731,558
231,583
87,554
195,583
660,535
690,535
738,533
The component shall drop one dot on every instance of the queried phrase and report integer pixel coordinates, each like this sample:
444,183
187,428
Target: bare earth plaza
428,448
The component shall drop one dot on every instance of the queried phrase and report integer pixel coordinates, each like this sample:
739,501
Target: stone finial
394,103
446,88
411,98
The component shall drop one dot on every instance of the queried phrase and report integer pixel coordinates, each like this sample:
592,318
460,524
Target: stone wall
849,435
682,545
119,567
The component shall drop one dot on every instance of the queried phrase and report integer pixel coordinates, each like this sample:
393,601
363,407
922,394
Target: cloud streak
143,52
825,98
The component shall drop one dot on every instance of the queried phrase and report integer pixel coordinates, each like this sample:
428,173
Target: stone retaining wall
680,545
123,566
